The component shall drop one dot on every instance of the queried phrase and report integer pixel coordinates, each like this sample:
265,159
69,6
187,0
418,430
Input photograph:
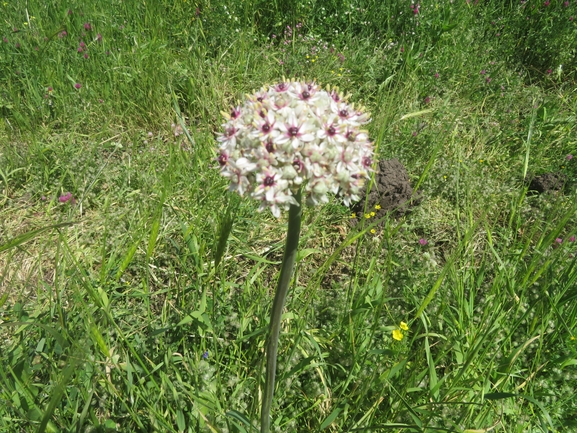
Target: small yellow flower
373,231
397,334
377,206
404,326
353,215
481,161
367,216
339,75
307,56
373,214
572,338
313,60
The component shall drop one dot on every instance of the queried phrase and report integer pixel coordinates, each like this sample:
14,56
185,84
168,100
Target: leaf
499,395
329,419
416,114
180,422
301,255
240,417
25,237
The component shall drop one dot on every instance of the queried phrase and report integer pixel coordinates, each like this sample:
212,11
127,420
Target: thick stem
290,252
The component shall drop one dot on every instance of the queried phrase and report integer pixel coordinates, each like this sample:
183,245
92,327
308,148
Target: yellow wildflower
353,215
373,231
398,334
377,206
404,326
367,216
373,214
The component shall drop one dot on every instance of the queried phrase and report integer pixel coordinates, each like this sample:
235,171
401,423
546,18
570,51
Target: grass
142,303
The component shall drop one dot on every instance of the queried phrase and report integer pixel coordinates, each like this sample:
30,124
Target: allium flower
292,135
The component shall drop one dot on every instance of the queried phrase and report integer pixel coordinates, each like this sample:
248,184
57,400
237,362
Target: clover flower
295,135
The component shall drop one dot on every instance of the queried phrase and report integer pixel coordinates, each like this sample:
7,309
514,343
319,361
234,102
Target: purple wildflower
67,198
87,27
569,157
77,85
423,241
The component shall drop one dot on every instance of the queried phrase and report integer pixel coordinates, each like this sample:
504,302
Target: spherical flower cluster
295,135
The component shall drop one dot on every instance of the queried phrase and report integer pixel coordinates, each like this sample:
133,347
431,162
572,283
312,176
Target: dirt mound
391,192
548,182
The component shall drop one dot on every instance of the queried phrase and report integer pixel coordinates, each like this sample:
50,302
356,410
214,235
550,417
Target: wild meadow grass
135,291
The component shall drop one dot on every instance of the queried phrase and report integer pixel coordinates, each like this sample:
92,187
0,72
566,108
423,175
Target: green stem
290,252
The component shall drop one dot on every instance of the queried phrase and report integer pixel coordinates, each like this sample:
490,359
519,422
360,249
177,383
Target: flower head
398,334
569,157
295,134
67,198
423,241
78,85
